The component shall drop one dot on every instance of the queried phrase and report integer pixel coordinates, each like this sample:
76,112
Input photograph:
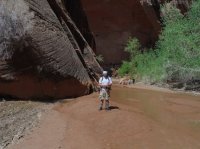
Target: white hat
105,72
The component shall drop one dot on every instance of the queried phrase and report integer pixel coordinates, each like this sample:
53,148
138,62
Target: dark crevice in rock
69,34
156,7
77,14
68,27
69,23
78,41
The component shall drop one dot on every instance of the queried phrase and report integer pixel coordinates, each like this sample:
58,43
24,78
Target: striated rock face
77,14
42,52
114,21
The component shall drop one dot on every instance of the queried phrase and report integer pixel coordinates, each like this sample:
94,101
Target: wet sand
139,119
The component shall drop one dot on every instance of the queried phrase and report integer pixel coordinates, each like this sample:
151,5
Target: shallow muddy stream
167,108
139,119
176,114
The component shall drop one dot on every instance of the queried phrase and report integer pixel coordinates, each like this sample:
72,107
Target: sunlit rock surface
40,56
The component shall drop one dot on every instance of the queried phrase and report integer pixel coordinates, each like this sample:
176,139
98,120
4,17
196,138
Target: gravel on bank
17,118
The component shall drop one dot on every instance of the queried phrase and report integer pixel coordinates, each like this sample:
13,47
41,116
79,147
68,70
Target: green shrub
132,47
179,43
177,53
125,68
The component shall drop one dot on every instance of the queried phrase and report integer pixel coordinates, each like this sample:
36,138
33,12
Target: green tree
132,47
177,53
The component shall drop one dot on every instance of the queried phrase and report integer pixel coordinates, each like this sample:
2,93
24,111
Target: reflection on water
129,95
167,108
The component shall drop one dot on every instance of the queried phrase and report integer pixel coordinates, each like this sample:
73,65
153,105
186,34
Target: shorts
104,94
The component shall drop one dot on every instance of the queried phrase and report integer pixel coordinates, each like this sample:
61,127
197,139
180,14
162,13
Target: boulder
39,55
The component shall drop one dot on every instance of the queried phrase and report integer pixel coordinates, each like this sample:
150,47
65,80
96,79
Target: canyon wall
47,47
42,52
114,21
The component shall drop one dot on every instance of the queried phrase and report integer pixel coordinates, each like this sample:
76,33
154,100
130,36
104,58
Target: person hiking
105,83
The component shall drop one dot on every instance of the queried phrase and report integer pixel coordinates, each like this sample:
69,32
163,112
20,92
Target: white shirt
105,81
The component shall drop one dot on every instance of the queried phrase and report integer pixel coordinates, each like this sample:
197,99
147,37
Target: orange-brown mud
139,119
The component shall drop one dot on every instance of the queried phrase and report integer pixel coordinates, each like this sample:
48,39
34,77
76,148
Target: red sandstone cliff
42,52
45,45
114,21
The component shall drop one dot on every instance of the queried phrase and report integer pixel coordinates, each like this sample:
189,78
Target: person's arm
110,82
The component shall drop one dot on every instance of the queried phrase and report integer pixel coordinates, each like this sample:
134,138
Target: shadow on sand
114,108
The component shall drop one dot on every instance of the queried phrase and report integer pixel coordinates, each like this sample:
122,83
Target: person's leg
101,105
101,99
107,105
108,93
